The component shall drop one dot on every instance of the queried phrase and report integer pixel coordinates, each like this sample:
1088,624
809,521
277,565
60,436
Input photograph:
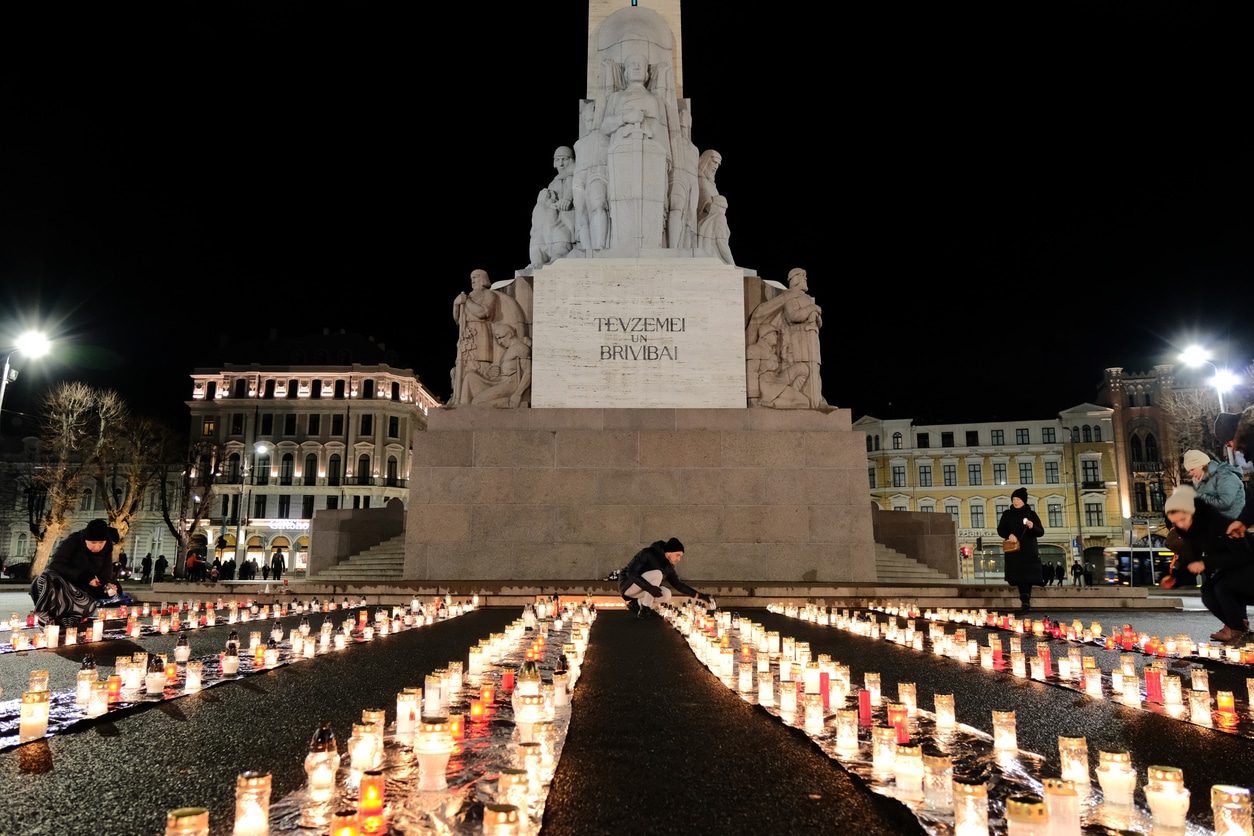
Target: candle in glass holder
1093,682
871,681
1199,707
500,820
1073,752
864,707
154,681
432,746
321,763
488,694
1116,777
1018,663
33,719
1225,703
1062,803
195,675
847,730
883,748
938,777
1231,808
1200,678
477,710
788,697
407,712
229,661
1036,666
1167,798
182,649
187,821
945,716
908,695
97,630
370,802
1004,734
970,807
1026,815
252,804
897,719
457,726
908,773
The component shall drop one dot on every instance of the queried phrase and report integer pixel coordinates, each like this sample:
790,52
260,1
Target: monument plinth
632,382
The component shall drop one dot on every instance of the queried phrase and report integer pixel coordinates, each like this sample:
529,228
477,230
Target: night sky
994,201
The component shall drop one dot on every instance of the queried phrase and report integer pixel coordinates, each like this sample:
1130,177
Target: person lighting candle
79,576
641,581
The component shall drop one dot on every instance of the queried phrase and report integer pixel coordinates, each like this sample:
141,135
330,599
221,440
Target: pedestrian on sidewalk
641,581
1077,574
146,565
1020,524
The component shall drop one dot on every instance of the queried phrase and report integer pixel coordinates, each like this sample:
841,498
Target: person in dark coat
146,565
277,565
159,569
1020,524
641,582
1225,563
78,577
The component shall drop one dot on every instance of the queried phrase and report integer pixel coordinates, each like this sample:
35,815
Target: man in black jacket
641,582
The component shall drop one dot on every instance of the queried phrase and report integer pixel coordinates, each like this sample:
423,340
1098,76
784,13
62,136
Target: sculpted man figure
798,319
550,238
562,187
589,186
636,123
475,313
508,383
771,383
706,169
713,234
681,226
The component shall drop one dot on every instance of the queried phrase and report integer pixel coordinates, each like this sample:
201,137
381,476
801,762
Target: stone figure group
782,355
493,365
634,180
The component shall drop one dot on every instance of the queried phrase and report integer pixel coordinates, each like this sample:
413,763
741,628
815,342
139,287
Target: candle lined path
656,745
1206,756
122,774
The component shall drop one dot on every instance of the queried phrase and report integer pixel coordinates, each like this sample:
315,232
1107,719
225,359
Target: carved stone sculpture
798,319
589,184
706,169
550,237
681,225
507,383
562,187
637,123
713,233
478,352
771,382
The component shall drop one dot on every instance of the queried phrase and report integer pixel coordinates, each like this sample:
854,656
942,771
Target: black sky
994,201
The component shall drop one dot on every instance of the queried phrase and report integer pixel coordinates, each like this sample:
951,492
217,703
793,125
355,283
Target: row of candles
812,691
188,615
158,676
1074,669
428,730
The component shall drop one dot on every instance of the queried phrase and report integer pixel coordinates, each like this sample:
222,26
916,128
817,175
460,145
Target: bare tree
57,479
187,494
127,468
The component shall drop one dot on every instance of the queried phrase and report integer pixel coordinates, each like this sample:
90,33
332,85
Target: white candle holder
1073,752
1116,777
970,808
1167,798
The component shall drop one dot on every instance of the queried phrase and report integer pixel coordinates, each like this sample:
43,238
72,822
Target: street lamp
1223,381
32,344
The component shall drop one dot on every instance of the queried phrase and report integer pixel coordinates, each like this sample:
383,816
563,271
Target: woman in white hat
1217,483
1228,564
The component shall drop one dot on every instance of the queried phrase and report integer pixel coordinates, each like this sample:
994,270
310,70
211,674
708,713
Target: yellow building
1067,464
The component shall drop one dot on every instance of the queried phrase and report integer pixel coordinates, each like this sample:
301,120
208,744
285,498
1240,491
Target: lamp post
32,344
1223,380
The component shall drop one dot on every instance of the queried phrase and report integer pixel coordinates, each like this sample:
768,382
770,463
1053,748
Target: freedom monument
632,381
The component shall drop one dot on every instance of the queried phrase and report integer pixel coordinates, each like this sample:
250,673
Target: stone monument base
547,494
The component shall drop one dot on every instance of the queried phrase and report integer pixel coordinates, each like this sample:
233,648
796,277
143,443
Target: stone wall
754,494
929,538
339,534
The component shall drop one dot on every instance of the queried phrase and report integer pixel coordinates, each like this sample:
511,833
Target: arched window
287,465
393,471
1088,432
263,470
1134,446
367,389
333,470
868,443
310,474
1075,434
1151,448
363,469
232,468
877,442
1097,432
896,441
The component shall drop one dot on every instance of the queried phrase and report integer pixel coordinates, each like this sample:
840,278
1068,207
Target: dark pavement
656,743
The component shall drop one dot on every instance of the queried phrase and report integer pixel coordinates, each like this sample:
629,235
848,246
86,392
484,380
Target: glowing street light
1223,381
32,344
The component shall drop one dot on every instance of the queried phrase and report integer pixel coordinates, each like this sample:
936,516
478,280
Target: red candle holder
864,707
457,726
488,694
370,803
507,680
477,710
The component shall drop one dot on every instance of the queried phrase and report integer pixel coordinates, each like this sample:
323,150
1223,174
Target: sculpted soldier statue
713,233
477,350
771,382
798,319
507,383
706,169
681,226
589,184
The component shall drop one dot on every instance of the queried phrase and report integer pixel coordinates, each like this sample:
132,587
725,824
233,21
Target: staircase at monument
894,567
381,563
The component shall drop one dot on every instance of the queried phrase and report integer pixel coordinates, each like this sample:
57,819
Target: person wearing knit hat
1226,564
1218,483
641,581
1019,524
79,575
